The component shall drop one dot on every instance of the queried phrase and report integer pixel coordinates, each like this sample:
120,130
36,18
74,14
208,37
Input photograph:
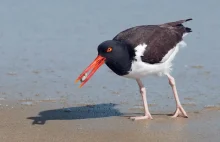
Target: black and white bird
142,51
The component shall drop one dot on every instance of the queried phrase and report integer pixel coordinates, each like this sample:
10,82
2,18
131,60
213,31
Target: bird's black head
116,55
112,50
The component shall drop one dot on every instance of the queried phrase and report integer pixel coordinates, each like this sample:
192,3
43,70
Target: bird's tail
178,24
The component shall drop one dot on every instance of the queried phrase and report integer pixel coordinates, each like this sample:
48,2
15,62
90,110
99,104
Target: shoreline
48,122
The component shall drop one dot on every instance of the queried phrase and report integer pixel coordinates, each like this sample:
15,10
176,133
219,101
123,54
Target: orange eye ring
109,49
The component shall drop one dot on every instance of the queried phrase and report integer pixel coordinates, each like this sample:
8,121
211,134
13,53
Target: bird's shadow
79,112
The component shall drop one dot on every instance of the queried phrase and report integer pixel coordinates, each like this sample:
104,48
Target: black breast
119,68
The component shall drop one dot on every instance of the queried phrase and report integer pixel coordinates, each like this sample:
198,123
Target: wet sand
95,124
45,45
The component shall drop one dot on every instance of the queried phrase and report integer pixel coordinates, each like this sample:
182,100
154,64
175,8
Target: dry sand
34,123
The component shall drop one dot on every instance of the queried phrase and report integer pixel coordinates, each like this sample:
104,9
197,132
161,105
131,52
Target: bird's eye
109,49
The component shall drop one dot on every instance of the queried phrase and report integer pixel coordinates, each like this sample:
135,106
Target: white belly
140,69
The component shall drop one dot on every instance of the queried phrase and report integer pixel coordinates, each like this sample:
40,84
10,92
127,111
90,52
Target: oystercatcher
142,51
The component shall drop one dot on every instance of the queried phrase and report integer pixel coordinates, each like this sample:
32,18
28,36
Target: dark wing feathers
159,38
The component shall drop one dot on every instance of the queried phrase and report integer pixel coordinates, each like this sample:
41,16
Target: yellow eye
109,49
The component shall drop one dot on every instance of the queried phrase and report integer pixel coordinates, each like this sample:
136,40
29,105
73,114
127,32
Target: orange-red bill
93,67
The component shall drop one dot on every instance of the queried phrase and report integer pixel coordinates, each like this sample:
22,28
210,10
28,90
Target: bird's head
113,53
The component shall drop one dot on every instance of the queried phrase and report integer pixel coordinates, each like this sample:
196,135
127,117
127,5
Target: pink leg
146,110
179,109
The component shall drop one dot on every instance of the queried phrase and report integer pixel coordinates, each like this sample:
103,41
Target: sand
45,45
34,123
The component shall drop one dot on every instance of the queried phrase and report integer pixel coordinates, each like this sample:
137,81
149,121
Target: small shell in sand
84,77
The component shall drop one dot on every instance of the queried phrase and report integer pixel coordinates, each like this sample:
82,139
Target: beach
45,45
34,123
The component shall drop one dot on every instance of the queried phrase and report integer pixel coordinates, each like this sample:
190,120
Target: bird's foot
146,116
180,112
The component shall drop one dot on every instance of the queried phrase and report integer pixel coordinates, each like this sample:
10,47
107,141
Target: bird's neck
122,64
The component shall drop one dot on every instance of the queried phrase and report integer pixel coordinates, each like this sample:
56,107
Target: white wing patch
140,51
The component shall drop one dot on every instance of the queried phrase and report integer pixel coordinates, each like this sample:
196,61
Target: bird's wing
160,39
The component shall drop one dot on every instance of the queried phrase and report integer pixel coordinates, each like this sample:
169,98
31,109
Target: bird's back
158,38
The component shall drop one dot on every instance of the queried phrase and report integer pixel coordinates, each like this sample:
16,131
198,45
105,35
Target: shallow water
45,45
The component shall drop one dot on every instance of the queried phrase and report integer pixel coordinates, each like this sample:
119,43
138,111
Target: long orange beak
93,67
